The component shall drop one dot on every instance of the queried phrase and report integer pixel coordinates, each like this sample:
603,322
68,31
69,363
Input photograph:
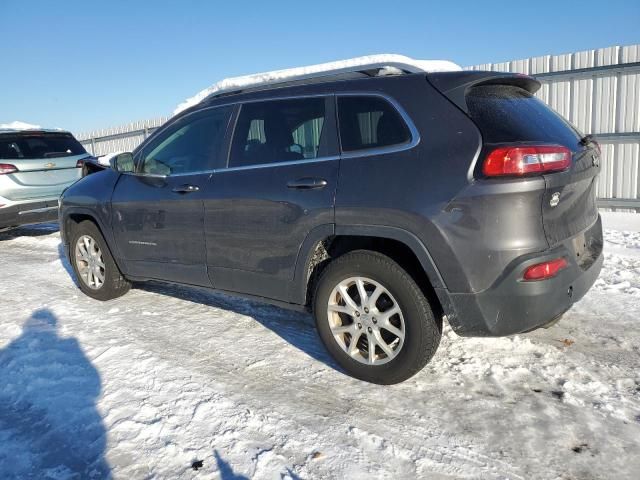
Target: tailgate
42,164
37,183
569,205
40,178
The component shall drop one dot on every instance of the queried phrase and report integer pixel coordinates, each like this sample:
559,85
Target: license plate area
587,246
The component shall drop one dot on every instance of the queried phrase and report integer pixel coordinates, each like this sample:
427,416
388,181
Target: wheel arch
74,216
323,245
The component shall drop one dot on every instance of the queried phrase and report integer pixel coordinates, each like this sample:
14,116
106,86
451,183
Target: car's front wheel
97,273
374,319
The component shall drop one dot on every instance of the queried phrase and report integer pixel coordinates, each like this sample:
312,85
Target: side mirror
123,162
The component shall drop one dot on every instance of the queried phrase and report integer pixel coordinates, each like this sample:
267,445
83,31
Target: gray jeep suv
384,204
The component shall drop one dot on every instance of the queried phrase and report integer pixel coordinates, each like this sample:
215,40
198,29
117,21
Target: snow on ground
621,271
146,385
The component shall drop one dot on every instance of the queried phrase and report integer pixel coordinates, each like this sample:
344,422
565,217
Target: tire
414,333
113,285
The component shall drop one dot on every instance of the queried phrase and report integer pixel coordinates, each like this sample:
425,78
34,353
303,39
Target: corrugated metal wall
597,90
123,138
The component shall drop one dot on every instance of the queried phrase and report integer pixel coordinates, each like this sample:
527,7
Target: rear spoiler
456,85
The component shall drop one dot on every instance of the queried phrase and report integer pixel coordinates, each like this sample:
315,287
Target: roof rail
384,63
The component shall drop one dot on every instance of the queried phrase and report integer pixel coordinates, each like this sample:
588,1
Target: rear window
370,122
41,145
511,114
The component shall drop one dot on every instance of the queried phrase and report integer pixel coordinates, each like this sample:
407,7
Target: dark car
381,203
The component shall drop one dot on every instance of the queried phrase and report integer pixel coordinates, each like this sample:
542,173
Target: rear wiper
588,140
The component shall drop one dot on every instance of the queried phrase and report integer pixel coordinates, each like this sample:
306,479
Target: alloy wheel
89,262
366,321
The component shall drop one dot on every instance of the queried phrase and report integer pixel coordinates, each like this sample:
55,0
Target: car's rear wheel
374,319
97,273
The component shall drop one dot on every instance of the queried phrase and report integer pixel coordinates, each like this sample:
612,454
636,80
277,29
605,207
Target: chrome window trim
278,164
187,174
415,135
233,169
37,210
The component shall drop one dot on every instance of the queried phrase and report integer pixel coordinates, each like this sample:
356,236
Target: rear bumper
513,306
14,214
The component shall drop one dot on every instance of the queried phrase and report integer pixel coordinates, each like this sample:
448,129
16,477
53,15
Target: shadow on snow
49,424
294,327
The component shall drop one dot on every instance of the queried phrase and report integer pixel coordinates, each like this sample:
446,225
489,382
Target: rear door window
279,131
506,113
370,122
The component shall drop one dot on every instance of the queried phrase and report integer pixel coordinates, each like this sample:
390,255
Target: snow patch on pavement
621,270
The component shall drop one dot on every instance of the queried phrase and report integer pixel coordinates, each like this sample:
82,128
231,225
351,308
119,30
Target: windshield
21,146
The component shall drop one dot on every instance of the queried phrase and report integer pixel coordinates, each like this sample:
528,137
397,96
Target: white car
36,165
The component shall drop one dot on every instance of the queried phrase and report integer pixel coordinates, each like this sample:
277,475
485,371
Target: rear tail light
80,164
545,270
517,161
6,168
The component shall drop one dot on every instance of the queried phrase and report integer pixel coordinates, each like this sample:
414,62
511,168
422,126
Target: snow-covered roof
18,126
390,63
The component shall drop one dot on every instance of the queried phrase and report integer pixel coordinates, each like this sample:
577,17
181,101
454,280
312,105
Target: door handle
307,183
186,189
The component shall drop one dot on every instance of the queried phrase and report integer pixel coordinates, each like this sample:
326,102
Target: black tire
422,330
115,285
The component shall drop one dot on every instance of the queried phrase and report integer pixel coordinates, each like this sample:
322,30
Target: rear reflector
6,168
516,161
545,270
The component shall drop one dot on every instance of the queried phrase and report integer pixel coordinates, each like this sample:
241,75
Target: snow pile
18,126
621,270
150,384
106,158
392,62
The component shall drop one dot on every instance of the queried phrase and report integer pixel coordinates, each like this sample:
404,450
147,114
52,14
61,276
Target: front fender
91,197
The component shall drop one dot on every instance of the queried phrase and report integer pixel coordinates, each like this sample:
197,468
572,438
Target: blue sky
83,65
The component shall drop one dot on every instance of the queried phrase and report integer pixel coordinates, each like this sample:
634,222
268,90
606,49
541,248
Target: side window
278,131
369,122
191,145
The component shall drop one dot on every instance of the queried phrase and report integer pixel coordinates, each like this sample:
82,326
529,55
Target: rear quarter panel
472,229
411,189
